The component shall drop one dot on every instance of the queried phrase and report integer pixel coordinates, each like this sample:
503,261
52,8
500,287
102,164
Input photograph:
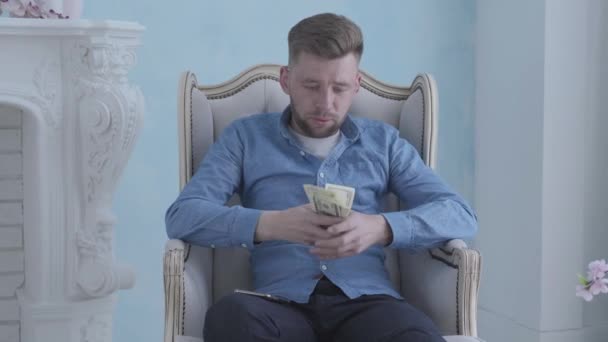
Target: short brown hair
325,35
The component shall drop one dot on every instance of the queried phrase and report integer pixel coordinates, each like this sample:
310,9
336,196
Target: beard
304,123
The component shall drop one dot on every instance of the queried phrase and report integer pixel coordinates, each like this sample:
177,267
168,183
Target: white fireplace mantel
78,118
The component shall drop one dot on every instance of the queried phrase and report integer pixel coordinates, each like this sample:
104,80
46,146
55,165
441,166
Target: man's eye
311,87
339,90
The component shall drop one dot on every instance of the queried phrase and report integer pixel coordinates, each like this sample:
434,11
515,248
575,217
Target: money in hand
333,200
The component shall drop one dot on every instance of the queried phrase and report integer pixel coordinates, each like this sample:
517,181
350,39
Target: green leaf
582,280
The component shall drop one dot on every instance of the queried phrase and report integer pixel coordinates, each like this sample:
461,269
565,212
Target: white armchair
442,282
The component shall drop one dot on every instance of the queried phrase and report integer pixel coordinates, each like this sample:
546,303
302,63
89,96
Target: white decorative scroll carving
108,109
98,275
45,92
97,328
47,87
111,63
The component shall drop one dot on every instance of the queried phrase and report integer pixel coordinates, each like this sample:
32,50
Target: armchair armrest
444,283
468,262
187,280
173,277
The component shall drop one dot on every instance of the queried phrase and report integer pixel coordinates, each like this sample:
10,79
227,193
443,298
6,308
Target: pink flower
595,283
30,9
583,291
597,269
15,7
599,286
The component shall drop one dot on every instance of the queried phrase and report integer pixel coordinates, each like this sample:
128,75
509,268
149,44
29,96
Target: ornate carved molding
111,62
44,95
48,90
44,92
108,111
80,118
98,275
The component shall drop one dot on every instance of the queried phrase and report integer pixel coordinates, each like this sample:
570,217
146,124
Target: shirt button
302,153
321,175
324,267
244,245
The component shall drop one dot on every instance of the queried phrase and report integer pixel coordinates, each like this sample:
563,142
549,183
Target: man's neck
319,147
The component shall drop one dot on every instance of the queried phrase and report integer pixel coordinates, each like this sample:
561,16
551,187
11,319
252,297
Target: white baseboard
497,328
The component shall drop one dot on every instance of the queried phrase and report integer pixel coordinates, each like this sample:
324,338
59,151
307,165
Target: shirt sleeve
433,212
199,215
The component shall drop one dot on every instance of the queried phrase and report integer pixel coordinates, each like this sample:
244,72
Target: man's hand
353,235
298,224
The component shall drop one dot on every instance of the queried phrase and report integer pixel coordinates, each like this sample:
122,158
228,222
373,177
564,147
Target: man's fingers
309,206
336,241
338,247
340,228
319,234
326,220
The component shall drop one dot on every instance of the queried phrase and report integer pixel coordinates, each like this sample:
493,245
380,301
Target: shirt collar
349,128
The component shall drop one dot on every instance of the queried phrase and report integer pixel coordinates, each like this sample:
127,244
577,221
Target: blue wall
218,39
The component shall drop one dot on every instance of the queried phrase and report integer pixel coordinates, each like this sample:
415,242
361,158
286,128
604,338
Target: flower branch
595,282
30,9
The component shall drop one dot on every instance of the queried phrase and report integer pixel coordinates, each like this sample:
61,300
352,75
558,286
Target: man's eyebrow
342,84
339,83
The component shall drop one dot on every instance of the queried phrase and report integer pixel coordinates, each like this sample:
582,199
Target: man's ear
357,82
284,79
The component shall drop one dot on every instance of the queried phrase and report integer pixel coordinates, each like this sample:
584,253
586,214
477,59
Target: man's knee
236,318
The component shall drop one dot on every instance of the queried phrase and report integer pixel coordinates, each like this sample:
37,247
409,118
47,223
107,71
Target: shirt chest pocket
367,175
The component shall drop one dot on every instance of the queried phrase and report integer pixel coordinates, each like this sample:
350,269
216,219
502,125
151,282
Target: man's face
321,92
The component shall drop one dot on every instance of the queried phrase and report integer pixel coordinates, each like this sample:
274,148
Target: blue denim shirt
261,160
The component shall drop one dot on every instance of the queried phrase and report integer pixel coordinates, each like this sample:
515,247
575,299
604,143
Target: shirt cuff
400,225
243,227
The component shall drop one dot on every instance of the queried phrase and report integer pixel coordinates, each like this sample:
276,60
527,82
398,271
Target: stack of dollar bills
333,200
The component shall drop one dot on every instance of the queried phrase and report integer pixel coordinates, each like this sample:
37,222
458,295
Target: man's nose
325,100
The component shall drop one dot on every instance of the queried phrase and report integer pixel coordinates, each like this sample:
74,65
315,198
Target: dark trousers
328,316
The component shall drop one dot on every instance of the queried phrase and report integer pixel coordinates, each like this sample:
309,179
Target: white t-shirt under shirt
318,147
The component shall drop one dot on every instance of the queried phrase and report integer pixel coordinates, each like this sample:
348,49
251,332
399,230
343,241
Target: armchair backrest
204,111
